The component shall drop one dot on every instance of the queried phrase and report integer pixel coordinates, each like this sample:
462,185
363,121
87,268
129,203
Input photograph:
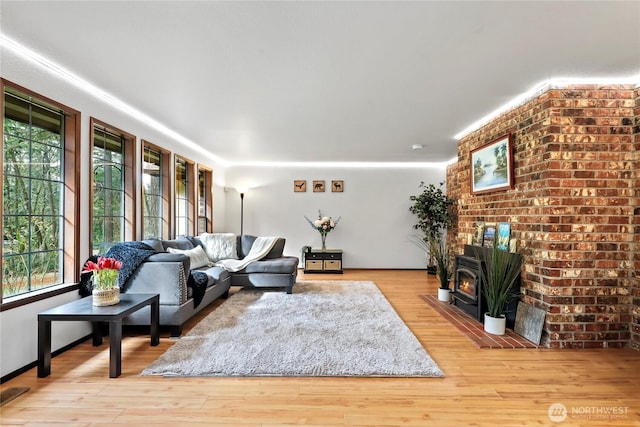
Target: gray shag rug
325,328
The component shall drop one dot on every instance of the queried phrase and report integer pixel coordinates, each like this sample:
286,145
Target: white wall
18,326
373,231
376,223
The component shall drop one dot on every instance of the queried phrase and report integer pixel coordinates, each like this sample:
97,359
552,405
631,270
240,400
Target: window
184,197
205,205
112,207
155,192
39,182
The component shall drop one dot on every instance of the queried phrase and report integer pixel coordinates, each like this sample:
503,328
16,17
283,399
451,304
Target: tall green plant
499,274
443,263
433,209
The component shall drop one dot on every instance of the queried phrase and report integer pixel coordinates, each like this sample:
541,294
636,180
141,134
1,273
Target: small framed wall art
337,186
299,186
489,234
478,234
318,186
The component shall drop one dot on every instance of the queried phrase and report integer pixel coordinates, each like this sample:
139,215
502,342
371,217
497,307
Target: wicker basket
103,297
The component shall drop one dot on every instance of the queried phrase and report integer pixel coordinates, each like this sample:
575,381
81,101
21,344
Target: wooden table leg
115,348
96,333
155,320
44,348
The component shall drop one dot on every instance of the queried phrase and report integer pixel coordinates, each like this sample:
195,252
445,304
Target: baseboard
34,364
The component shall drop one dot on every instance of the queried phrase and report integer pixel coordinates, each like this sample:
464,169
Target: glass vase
324,240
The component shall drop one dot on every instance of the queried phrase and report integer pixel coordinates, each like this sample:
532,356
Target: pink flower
103,264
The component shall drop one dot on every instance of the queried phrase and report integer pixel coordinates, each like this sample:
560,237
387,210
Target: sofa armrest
165,278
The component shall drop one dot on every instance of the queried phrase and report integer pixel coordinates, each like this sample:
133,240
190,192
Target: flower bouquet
324,224
105,277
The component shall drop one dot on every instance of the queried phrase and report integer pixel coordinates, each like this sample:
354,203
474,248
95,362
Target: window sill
22,300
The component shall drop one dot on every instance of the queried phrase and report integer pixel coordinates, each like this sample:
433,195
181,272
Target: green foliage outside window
32,197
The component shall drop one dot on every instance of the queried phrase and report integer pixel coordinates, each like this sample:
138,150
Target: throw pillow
197,256
219,246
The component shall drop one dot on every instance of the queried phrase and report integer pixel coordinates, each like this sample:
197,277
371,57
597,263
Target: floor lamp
241,213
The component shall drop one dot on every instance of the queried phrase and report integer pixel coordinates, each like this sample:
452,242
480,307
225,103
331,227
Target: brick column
571,210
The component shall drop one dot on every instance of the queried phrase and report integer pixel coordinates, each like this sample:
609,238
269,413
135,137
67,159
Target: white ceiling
327,81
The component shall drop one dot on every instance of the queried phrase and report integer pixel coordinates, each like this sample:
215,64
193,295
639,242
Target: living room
375,223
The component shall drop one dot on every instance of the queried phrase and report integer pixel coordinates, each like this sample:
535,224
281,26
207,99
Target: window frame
71,201
208,203
190,200
165,179
129,187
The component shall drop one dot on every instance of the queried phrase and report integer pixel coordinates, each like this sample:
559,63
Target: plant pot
444,295
105,297
495,325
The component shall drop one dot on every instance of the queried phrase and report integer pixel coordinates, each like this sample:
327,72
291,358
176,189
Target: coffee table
82,309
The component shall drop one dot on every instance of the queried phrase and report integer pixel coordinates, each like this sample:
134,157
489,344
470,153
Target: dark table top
83,309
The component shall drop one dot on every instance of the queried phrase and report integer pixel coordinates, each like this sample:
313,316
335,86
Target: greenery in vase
499,274
105,272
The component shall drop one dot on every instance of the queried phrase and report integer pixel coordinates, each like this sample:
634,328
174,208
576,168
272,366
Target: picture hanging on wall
489,234
299,185
337,186
318,186
478,234
504,233
492,166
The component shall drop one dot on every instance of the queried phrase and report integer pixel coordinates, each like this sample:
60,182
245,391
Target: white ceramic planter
444,295
495,325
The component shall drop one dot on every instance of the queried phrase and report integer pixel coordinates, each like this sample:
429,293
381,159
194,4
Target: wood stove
467,288
467,291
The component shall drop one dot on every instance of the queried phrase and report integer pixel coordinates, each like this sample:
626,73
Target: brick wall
635,289
571,209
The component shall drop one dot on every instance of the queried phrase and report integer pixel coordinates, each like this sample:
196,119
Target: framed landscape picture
492,166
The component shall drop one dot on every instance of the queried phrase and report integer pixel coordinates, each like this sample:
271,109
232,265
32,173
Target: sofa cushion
180,243
277,249
155,244
284,265
196,255
218,274
219,246
246,242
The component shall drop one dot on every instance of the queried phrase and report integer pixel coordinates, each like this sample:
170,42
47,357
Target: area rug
324,328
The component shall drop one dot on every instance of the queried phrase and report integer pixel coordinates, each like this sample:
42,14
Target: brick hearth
473,329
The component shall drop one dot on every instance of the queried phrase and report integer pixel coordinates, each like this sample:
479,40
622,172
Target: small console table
323,261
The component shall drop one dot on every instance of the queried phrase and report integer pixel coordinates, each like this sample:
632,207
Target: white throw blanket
260,249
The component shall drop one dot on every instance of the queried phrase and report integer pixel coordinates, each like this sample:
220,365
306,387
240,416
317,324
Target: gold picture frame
337,186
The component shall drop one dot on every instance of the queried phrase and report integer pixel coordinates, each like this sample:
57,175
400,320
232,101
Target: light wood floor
482,387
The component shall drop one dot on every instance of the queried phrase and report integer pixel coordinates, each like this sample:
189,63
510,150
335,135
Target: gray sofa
167,274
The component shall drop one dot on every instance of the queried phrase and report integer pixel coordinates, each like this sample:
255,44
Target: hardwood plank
481,387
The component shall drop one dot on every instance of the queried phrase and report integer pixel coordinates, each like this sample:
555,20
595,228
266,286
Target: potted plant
443,268
500,273
435,213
